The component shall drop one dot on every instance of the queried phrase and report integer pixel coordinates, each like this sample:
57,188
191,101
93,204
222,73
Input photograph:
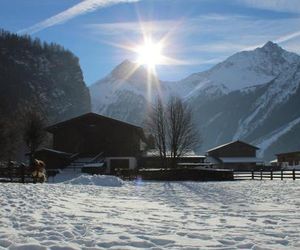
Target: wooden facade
236,155
289,158
91,134
53,159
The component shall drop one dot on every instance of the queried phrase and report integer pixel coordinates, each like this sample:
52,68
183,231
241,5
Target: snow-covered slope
249,96
262,115
127,92
243,69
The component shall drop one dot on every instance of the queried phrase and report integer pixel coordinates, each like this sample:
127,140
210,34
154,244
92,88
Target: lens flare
150,54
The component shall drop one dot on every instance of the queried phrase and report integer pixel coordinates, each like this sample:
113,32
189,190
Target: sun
150,53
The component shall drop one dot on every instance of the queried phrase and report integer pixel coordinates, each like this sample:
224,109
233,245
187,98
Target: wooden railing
15,174
267,174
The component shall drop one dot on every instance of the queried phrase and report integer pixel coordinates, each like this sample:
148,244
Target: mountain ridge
235,99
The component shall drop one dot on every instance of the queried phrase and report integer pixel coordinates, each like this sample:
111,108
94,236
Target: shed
236,155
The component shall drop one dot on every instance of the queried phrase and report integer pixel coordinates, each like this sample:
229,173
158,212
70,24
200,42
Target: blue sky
200,33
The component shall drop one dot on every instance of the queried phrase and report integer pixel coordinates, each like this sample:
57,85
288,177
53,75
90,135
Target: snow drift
96,180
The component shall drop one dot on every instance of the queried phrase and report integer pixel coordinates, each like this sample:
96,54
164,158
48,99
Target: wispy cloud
288,37
117,28
205,40
211,33
79,9
275,5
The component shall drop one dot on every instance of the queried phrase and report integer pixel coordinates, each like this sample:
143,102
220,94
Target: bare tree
157,127
182,134
173,129
34,133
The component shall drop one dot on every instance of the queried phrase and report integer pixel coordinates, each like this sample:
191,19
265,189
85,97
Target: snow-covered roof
240,159
89,117
274,161
193,164
188,154
54,151
212,160
229,143
93,165
287,153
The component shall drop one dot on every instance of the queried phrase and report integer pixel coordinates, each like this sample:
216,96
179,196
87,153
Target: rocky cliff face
252,96
44,78
40,76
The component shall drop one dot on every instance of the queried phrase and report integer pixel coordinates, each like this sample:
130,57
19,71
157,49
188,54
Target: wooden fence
267,175
15,174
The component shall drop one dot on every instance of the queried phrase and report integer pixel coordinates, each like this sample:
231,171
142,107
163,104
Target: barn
92,138
236,155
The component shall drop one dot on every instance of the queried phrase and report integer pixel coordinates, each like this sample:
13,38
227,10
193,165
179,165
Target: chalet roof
52,151
89,116
287,153
188,154
230,143
274,161
240,160
212,160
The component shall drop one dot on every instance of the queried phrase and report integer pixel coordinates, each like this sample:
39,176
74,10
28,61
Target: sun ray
151,52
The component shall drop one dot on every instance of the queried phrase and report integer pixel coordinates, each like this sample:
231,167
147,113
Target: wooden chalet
288,159
91,138
236,155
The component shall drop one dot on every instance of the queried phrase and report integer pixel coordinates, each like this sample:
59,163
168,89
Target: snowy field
150,215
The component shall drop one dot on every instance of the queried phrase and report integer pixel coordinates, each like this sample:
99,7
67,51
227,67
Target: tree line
12,40
30,130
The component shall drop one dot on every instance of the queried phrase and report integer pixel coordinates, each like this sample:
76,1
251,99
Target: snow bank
97,180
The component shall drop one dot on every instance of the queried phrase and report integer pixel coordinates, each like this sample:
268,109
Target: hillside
44,76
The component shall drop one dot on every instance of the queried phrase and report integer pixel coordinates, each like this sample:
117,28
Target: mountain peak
121,70
269,46
127,62
125,65
132,72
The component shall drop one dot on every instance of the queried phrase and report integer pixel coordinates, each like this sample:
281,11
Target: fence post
10,165
261,174
22,172
271,174
281,174
294,174
252,173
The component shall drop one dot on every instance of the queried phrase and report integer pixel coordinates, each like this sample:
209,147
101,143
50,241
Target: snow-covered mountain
252,95
242,70
127,92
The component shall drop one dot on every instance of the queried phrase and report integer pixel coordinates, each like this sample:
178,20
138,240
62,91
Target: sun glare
149,54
